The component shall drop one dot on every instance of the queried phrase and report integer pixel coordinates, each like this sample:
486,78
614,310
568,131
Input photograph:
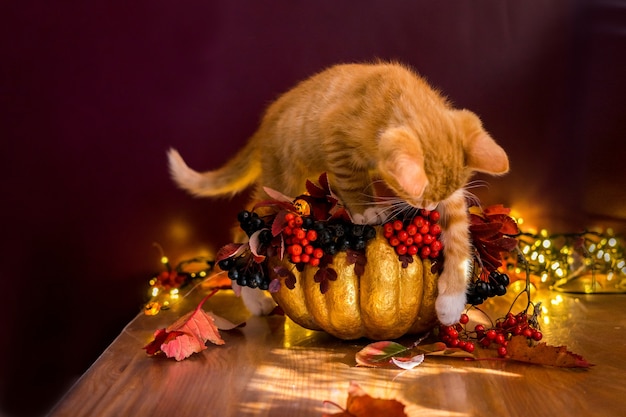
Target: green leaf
379,354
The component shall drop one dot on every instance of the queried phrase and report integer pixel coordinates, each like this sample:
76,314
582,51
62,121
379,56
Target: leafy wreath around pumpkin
310,229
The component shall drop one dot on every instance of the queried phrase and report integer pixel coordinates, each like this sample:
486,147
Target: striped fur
363,123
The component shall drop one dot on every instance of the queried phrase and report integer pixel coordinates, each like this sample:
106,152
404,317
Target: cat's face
425,172
440,183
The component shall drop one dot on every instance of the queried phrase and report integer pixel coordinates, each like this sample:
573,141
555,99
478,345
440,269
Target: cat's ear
482,153
401,161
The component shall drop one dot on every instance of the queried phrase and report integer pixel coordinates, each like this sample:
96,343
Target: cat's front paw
371,215
449,307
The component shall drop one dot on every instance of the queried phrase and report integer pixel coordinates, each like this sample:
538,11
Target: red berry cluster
455,336
512,325
420,236
298,241
518,324
170,279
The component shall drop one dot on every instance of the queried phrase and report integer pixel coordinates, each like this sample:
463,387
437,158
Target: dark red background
92,94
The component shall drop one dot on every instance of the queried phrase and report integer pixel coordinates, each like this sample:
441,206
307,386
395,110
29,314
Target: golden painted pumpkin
386,302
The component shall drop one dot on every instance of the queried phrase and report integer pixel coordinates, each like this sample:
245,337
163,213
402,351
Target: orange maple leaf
360,404
187,335
542,354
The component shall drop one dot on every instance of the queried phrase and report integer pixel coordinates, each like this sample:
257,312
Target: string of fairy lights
590,261
583,262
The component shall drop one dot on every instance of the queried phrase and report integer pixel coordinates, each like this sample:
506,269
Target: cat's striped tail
239,173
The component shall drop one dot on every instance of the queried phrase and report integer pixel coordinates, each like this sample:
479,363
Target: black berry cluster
243,269
250,222
480,290
338,235
306,241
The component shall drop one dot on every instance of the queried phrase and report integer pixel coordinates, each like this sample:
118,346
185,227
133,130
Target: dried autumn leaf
256,245
496,209
279,223
161,336
277,195
380,353
187,335
451,353
359,260
485,230
290,278
360,404
405,259
384,353
230,250
543,354
323,276
491,233
503,243
314,190
323,181
509,226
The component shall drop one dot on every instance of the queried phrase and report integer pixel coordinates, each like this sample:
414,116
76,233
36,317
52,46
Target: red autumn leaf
314,190
277,196
323,181
323,276
485,230
278,200
324,286
509,226
518,349
496,209
360,404
290,278
503,243
407,259
323,190
229,250
476,219
279,223
187,335
359,260
321,208
161,336
491,233
489,257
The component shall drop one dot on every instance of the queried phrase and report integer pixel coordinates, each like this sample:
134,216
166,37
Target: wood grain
273,367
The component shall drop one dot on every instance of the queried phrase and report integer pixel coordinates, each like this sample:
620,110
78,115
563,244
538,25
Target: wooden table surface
273,367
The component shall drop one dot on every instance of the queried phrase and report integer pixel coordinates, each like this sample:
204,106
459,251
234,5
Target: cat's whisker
477,184
400,207
372,203
471,198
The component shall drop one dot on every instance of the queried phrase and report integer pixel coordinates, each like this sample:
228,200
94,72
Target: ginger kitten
370,127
